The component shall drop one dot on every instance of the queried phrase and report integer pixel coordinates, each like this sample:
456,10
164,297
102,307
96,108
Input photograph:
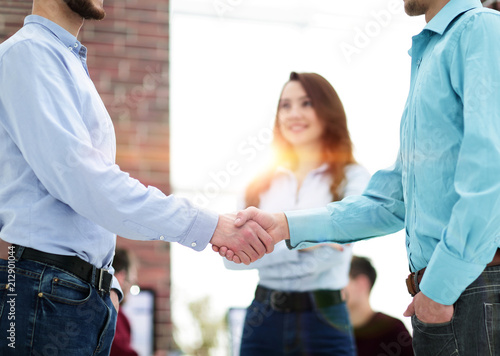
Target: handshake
248,235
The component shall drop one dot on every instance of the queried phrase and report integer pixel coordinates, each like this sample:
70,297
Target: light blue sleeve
472,236
43,116
378,211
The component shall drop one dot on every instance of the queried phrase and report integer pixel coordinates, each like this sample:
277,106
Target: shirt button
76,45
162,237
193,244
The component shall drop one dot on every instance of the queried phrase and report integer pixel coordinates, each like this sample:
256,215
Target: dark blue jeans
475,327
46,311
323,331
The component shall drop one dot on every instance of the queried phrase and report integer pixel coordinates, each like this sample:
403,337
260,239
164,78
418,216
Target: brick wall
128,62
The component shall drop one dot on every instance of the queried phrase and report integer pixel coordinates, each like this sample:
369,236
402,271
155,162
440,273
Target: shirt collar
64,36
449,12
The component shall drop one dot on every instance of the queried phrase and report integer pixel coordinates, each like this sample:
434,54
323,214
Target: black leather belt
297,301
99,278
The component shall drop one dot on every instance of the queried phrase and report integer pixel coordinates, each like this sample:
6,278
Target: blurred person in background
375,333
492,4
126,273
298,307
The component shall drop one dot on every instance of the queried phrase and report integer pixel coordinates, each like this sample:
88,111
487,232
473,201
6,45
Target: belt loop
18,251
415,281
94,277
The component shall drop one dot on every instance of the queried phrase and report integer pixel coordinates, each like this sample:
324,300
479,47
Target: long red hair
336,141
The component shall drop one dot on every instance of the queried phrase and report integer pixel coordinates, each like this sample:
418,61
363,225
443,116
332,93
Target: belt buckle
279,301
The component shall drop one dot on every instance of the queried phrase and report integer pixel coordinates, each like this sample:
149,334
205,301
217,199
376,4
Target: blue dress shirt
444,188
60,189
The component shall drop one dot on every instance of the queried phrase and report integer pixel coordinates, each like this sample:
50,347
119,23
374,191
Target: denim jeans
47,311
323,331
475,327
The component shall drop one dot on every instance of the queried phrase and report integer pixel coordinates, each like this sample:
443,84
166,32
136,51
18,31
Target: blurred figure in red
375,333
126,273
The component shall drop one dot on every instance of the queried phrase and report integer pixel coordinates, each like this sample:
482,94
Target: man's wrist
282,231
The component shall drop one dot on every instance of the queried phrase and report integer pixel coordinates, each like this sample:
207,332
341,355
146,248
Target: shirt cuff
201,231
308,227
446,277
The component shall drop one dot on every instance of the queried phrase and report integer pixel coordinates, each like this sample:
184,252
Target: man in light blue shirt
444,188
63,198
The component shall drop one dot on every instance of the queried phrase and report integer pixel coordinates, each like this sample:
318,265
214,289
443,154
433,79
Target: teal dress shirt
444,188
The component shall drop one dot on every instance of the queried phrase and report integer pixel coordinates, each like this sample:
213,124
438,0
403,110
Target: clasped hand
248,235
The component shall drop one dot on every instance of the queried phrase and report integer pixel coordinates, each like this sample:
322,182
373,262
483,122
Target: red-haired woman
298,307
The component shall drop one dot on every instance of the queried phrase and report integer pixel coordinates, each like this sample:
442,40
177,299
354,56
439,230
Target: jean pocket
492,320
434,326
433,339
64,288
67,326
257,313
335,316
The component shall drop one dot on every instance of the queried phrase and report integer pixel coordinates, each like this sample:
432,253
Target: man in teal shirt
444,188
